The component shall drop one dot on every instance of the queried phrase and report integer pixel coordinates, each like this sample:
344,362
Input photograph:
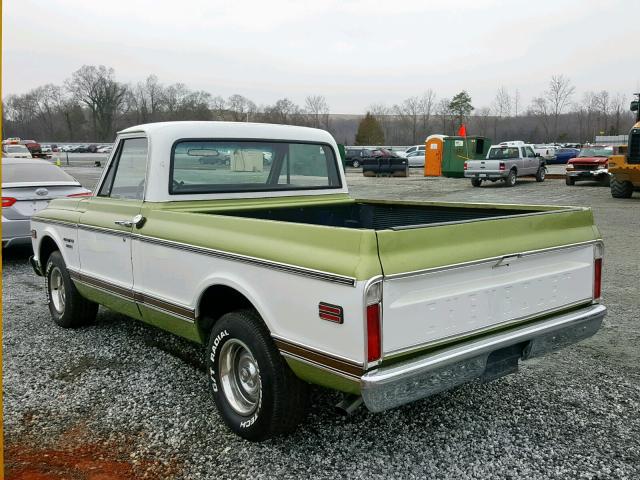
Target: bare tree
317,108
427,105
443,110
284,111
501,107
240,108
558,96
618,108
46,103
516,102
541,109
96,88
482,116
218,107
602,104
409,113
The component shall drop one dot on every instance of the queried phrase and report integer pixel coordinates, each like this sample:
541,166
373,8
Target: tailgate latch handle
503,262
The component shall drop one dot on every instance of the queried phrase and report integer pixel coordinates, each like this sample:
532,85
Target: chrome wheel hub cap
56,290
240,377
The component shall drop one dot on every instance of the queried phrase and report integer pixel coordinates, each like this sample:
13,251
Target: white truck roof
162,136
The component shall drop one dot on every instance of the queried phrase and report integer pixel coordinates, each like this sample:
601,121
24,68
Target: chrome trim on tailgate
405,382
490,259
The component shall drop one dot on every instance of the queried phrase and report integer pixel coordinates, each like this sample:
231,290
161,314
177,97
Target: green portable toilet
456,150
343,154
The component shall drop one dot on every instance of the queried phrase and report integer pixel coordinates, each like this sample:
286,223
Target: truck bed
377,216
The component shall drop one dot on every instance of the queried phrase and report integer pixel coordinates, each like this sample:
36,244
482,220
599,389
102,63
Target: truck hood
588,160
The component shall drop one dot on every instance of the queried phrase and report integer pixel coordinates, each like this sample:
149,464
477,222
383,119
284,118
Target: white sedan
416,158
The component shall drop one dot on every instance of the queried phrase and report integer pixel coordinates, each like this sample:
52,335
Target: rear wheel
68,308
355,163
622,189
511,178
540,174
256,393
476,182
569,180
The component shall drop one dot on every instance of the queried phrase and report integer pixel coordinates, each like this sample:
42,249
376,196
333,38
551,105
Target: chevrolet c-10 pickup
243,237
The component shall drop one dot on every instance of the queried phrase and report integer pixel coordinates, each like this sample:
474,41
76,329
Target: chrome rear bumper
411,380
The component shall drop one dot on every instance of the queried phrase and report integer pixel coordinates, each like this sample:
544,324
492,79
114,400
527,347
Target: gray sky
355,53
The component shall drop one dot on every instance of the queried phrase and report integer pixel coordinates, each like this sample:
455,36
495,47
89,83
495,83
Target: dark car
385,162
354,156
563,155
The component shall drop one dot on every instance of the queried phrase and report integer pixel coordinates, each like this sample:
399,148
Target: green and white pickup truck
243,237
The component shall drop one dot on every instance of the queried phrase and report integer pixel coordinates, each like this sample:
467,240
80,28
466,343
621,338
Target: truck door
531,161
104,229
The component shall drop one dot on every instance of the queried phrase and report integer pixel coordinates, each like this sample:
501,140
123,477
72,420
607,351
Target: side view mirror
537,154
634,106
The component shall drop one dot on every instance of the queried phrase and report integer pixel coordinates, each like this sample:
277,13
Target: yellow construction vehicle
625,167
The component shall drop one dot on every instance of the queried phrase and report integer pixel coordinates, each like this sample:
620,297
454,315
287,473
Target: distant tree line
92,105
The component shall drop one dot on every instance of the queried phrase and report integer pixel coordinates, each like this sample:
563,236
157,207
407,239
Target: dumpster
433,155
457,150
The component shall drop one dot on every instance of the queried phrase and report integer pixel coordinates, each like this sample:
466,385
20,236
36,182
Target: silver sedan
416,158
27,187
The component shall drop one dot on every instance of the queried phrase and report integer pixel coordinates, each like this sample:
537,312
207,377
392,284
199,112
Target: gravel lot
123,400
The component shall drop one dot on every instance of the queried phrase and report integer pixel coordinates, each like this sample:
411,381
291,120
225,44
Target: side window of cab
127,172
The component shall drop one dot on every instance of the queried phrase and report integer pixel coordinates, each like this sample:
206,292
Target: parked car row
87,148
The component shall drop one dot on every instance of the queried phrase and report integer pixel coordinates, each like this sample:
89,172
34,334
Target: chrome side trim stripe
178,311
335,364
283,267
51,221
489,260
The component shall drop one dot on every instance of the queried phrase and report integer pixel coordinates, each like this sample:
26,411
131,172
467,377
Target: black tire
622,189
569,180
476,182
540,174
510,181
68,308
605,181
278,404
355,163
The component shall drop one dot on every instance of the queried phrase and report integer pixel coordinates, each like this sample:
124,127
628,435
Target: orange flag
462,131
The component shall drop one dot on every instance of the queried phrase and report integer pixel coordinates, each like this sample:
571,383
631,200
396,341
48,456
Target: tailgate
445,282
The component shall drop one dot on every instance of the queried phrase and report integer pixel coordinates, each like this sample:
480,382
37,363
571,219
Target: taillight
597,271
373,332
465,165
502,166
597,278
8,201
374,337
83,194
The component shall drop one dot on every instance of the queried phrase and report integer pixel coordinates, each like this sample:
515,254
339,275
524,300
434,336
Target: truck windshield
596,152
499,153
211,166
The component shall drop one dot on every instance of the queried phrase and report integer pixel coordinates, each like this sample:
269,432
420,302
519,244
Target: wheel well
218,300
47,247
515,169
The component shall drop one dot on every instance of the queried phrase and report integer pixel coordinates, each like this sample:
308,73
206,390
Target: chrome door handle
138,221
